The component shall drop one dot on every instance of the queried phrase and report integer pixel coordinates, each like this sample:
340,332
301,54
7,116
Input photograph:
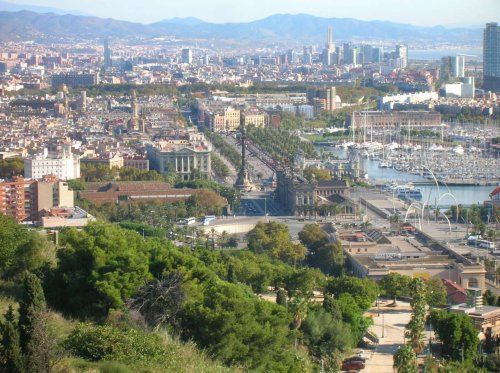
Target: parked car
355,358
353,365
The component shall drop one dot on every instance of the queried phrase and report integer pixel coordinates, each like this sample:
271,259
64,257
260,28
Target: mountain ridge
13,7
304,28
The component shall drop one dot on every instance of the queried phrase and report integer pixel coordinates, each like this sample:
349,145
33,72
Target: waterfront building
494,203
302,197
491,57
393,119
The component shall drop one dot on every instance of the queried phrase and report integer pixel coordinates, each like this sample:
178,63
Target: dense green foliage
230,194
11,167
20,249
240,329
94,343
225,149
327,336
220,169
405,360
98,268
280,144
395,285
102,265
415,328
329,257
11,358
457,334
274,239
363,291
317,173
91,172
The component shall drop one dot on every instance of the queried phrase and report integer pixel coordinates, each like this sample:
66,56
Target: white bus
207,219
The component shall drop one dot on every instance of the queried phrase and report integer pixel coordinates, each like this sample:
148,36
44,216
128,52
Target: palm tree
213,234
298,306
437,211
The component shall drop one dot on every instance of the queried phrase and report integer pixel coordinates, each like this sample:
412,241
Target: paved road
390,324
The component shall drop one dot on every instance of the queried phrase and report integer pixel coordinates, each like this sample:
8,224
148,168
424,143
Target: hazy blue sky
417,12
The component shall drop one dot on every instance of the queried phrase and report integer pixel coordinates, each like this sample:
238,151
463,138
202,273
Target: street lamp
383,325
378,305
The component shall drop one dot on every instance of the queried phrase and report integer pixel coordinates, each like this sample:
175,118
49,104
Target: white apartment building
65,166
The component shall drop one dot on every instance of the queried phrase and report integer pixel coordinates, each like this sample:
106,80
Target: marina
465,191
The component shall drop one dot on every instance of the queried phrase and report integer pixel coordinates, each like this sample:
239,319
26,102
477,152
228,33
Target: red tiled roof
495,192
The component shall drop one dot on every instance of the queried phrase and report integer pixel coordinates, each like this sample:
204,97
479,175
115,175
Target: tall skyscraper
367,54
329,39
328,57
187,56
107,54
402,55
491,57
377,53
452,67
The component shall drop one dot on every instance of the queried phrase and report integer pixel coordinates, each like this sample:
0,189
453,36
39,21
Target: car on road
353,366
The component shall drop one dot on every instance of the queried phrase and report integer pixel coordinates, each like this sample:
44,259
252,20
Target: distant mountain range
303,28
11,7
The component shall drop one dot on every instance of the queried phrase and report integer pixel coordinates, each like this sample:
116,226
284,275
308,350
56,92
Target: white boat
458,150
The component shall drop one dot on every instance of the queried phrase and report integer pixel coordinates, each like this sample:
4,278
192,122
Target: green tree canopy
352,315
20,249
326,335
313,237
395,285
364,291
11,359
99,267
317,173
405,360
436,292
240,329
274,239
11,167
455,331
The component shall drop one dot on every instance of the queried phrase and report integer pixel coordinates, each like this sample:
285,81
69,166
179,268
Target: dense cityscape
184,196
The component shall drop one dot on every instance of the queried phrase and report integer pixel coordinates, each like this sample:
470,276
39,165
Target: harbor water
465,195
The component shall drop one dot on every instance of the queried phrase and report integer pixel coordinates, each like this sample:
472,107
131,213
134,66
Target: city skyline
447,12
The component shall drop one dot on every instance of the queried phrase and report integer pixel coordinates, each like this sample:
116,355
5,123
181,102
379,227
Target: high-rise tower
328,55
491,57
402,55
107,54
329,39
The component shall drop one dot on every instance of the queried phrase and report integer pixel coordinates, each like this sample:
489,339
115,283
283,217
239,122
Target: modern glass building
491,57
